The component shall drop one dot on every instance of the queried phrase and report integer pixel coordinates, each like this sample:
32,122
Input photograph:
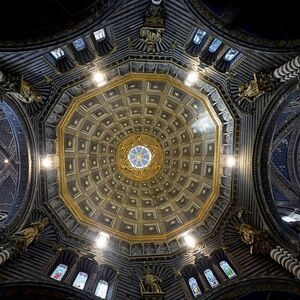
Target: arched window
212,280
99,34
80,280
58,53
194,287
231,54
227,269
79,44
101,289
215,44
198,37
59,272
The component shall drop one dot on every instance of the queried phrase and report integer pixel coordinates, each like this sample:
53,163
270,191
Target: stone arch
17,165
270,203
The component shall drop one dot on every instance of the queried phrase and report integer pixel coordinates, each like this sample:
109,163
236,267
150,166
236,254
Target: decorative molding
156,157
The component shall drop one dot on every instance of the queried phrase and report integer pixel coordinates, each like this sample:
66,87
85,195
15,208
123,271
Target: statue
26,236
15,86
258,240
247,233
260,84
151,36
155,16
154,26
150,283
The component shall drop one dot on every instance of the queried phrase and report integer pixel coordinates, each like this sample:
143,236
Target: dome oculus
139,157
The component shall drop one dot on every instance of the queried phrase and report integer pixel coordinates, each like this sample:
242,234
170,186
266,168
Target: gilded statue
14,85
260,84
26,236
155,16
258,240
247,233
150,283
154,26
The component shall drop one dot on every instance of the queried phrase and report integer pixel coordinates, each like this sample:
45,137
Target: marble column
5,254
286,259
287,71
260,243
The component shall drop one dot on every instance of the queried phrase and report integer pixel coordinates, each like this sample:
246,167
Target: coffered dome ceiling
174,128
140,158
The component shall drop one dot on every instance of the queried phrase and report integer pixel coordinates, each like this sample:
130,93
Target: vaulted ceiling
81,126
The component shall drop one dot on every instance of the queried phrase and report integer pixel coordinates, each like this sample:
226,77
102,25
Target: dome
139,158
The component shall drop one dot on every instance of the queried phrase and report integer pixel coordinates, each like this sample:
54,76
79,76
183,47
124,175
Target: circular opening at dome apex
139,157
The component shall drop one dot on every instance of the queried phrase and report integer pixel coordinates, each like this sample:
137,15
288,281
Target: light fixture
191,78
6,161
102,240
230,161
189,241
99,78
46,162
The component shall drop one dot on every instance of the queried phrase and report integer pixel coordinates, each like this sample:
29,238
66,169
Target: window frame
107,288
199,34
85,282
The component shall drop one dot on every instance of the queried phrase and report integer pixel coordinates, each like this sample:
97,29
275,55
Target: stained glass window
57,53
227,269
101,289
198,37
194,287
79,44
231,54
214,45
99,34
139,157
59,272
80,280
213,282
